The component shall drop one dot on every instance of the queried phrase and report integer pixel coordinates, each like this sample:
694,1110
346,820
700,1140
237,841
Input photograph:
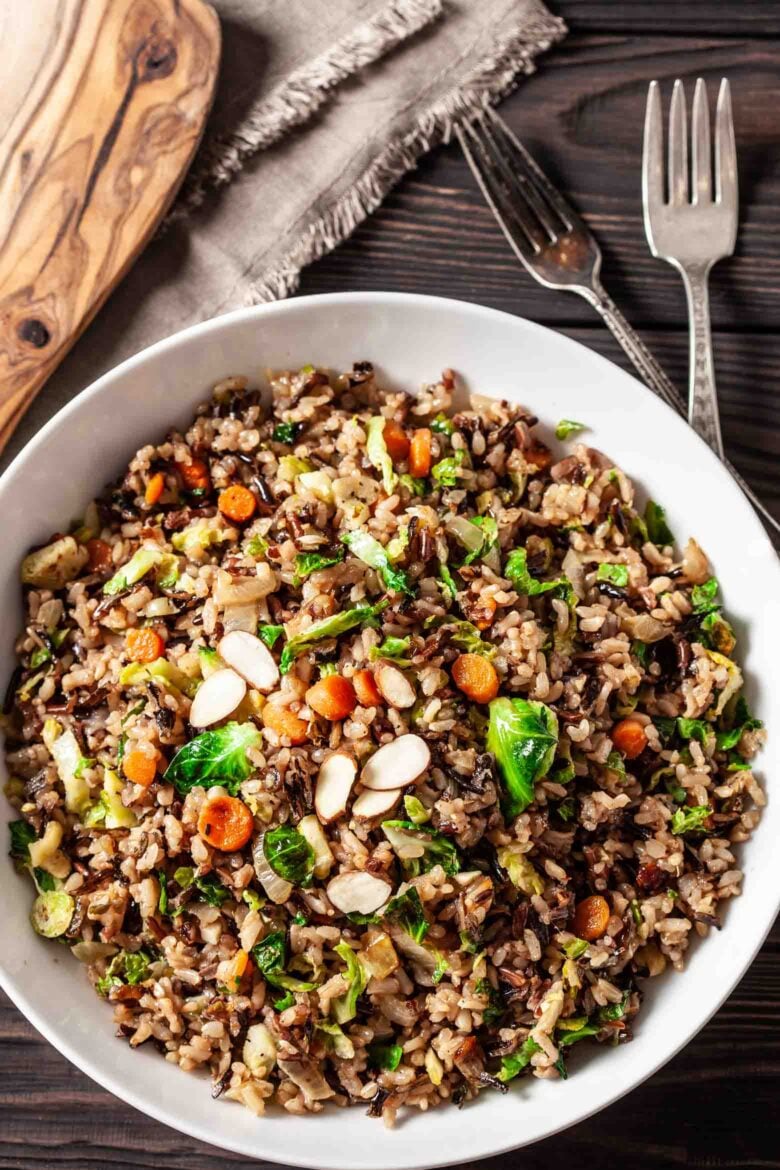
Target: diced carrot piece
144,644
366,689
482,614
629,738
154,488
333,697
396,441
195,475
99,555
420,456
476,677
285,723
139,767
591,917
226,823
538,456
237,503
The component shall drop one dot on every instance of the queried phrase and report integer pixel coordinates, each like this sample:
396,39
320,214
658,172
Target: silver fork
695,226
554,244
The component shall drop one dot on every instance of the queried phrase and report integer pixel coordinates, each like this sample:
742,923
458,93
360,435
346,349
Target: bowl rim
105,1078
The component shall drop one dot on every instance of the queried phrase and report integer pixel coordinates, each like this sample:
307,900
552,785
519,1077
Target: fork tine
678,147
725,149
519,229
653,151
515,167
540,184
701,165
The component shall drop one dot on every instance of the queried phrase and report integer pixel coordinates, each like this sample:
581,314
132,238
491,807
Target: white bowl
410,339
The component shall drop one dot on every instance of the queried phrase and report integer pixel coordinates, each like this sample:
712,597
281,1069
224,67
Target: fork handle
654,377
648,368
703,412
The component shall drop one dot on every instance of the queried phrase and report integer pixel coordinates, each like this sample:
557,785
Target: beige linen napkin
322,106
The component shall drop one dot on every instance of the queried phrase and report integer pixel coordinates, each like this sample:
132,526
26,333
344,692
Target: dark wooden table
714,1104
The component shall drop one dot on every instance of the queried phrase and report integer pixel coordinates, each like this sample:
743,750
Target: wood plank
104,107
755,18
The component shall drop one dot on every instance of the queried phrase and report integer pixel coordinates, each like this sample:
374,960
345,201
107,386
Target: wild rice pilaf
367,751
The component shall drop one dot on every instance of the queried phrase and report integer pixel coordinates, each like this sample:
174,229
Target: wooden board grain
104,105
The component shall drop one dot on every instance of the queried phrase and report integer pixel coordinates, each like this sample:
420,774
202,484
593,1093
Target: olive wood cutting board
102,105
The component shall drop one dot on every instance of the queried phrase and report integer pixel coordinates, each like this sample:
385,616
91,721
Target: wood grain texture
104,106
715,1105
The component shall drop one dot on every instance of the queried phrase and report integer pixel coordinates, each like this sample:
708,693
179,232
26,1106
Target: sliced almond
217,697
397,763
358,893
250,658
394,686
334,784
375,803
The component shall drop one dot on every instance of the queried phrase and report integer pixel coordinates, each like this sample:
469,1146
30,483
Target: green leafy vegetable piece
44,880
496,1005
253,900
344,1008
308,563
615,574
694,729
416,487
214,757
704,597
330,627
636,912
572,1035
468,942
395,648
131,967
575,947
686,820
448,581
441,968
742,721
522,735
377,452
567,427
289,855
489,528
467,637
416,811
39,656
336,1040
270,635
184,876
211,890
614,1011
286,1001
655,521
716,633
270,956
142,560
441,425
516,569
512,1065
387,1056
162,901
616,763
257,545
567,809
447,470
51,913
640,650
22,837
368,550
286,432
406,911
434,847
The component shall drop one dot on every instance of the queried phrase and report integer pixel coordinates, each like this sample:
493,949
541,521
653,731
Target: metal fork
695,227
554,244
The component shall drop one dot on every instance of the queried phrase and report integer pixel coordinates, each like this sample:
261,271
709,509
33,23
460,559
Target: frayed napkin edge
493,79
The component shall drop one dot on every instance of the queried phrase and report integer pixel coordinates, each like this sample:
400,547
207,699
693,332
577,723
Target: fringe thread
491,81
299,96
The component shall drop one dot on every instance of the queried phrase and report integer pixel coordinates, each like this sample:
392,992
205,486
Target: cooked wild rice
530,873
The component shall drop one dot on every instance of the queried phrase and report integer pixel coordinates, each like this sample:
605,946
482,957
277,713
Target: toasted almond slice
334,784
394,686
358,893
250,658
397,763
373,803
217,697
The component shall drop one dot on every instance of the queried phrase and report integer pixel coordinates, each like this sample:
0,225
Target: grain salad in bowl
368,751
